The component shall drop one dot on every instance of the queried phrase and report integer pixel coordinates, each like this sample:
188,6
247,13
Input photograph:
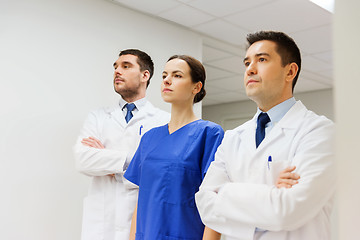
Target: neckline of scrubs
190,123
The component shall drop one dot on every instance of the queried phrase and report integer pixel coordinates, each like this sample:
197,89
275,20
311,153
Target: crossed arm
286,179
93,159
94,143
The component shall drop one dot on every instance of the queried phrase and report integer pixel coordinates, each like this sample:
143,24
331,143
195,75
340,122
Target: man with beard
107,143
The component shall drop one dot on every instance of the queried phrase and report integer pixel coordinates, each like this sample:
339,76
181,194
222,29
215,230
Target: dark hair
197,72
286,47
143,59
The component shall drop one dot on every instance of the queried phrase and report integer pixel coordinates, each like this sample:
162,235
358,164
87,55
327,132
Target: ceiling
225,23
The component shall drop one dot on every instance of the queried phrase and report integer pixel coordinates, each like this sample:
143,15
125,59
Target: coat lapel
118,116
291,120
247,133
146,112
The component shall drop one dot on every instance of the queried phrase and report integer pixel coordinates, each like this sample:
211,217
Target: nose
251,69
167,80
117,71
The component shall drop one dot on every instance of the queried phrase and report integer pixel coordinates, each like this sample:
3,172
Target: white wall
321,102
55,66
347,85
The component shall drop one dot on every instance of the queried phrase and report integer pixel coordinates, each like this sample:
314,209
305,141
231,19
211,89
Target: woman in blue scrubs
171,160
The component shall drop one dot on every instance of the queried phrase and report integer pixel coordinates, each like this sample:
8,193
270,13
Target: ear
145,76
197,88
292,71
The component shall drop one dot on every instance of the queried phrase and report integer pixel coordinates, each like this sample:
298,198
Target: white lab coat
238,193
109,205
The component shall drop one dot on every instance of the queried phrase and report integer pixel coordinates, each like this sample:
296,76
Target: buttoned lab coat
109,205
238,193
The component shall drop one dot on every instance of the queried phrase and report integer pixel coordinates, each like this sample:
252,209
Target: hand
92,142
287,178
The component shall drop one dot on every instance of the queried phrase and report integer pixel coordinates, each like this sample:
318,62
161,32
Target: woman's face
177,86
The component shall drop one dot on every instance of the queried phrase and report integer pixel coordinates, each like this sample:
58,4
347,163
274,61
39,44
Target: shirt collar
138,103
277,112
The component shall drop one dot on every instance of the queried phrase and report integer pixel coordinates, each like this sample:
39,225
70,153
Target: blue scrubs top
169,168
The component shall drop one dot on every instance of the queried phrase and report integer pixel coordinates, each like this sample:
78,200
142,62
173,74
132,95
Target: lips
250,81
167,90
118,80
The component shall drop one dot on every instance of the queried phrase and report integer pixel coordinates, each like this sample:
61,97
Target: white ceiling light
326,4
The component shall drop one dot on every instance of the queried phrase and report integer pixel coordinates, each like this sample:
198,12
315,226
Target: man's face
265,77
127,76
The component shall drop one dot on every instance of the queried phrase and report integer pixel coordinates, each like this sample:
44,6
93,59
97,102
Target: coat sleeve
237,208
92,161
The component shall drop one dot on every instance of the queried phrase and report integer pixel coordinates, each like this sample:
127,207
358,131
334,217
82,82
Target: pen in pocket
269,161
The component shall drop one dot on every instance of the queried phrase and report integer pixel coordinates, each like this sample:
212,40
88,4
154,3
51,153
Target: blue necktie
262,120
129,107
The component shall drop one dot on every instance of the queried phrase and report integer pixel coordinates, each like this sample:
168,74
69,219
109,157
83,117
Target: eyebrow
257,55
124,62
176,71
